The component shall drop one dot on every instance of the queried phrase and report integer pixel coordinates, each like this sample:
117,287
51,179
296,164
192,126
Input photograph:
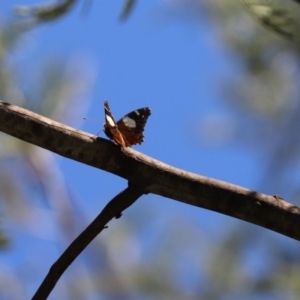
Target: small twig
113,209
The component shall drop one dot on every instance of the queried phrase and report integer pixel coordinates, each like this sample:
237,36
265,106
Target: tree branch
113,209
154,176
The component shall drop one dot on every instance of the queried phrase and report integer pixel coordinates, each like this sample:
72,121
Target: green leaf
279,16
44,13
127,9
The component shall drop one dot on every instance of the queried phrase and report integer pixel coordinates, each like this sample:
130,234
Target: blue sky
174,66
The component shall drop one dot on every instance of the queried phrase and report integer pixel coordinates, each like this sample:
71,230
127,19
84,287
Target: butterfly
129,130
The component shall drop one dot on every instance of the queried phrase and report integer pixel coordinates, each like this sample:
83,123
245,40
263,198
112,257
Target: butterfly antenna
99,132
92,120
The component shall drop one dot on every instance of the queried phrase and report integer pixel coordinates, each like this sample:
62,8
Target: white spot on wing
129,122
110,121
137,112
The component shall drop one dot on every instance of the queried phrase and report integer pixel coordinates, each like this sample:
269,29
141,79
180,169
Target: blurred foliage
276,15
127,9
43,13
37,14
239,262
46,12
32,188
4,240
262,95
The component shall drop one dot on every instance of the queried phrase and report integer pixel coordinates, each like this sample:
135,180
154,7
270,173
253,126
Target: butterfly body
129,130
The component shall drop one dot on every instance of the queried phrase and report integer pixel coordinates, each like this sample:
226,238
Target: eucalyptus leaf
127,9
44,13
279,16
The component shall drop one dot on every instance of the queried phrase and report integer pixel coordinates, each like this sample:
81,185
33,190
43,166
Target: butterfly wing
111,128
132,125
